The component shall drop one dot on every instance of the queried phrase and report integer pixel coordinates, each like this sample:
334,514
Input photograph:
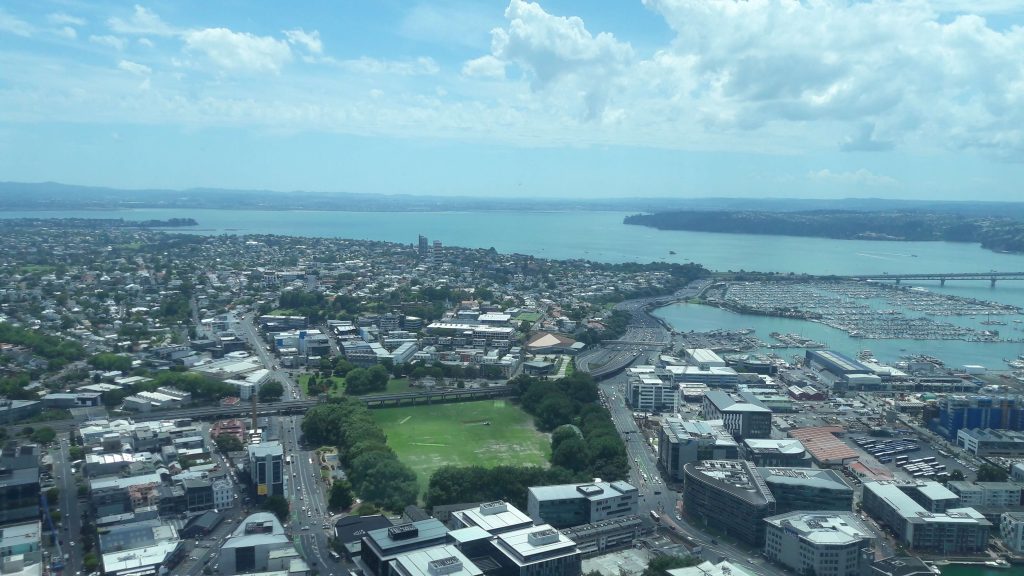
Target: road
247,329
306,492
71,518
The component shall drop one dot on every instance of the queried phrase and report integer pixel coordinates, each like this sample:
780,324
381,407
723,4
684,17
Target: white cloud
557,51
414,67
860,177
67,32
145,42
134,68
141,22
60,18
108,40
309,40
14,25
484,67
238,51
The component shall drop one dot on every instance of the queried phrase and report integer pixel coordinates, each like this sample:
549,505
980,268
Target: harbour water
601,236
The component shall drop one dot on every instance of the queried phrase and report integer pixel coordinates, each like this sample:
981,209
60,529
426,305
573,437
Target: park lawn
485,433
394,386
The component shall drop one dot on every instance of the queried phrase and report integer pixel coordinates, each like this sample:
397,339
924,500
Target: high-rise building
424,246
266,468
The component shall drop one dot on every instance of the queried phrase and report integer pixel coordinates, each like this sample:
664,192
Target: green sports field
485,433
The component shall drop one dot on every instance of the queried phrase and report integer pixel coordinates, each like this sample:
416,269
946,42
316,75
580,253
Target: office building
1011,530
266,468
381,546
648,393
568,505
536,551
818,542
742,419
683,441
730,496
807,489
959,411
787,452
928,527
987,494
986,442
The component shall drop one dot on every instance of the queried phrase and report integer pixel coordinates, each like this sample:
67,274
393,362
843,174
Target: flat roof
426,530
812,477
824,528
680,429
492,516
913,512
593,491
522,546
437,561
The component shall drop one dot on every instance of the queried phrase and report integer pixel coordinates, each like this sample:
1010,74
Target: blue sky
674,98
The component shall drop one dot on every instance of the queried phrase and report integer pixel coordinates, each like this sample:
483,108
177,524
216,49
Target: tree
90,562
271,391
51,495
956,475
571,454
660,565
991,473
340,497
43,435
228,443
278,506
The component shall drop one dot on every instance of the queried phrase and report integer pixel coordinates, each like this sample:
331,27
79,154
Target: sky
918,99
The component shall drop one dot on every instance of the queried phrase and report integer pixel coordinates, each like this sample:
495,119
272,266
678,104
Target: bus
901,459
928,459
884,459
655,517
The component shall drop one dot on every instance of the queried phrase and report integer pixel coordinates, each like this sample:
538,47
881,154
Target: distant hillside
55,196
999,234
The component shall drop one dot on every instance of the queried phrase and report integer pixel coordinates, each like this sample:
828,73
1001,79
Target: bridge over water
991,276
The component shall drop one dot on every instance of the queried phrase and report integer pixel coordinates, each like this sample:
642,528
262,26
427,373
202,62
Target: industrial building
841,372
702,357
818,542
741,418
920,517
683,441
567,505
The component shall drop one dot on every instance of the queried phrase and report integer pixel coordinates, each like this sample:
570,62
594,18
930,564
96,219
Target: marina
869,310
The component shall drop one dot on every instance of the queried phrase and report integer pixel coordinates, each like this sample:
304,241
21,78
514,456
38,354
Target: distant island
993,233
98,223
